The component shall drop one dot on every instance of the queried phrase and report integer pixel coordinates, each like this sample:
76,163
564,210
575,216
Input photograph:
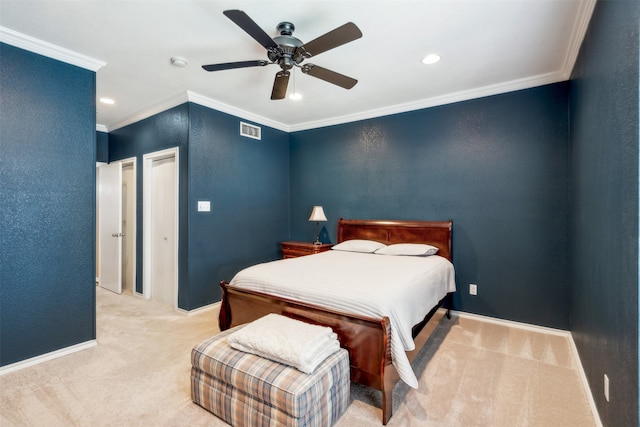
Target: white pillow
358,245
413,249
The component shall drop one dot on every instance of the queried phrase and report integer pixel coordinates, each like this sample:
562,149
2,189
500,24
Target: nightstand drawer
296,249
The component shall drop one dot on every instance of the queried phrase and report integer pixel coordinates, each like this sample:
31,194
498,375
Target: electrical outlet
473,289
606,387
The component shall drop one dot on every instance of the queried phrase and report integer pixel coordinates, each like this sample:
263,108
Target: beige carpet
471,373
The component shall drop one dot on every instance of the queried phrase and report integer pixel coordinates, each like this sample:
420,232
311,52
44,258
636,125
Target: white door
110,227
163,230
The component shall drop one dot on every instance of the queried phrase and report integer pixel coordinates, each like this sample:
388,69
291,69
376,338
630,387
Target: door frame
147,164
133,161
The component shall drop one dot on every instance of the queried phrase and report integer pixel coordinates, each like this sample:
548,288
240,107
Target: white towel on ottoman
285,340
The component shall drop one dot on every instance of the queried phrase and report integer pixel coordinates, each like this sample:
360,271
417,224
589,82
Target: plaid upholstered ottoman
247,390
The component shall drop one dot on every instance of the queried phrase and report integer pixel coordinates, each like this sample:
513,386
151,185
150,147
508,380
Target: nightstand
296,249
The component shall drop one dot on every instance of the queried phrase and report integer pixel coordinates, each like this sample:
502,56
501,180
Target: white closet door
163,230
110,227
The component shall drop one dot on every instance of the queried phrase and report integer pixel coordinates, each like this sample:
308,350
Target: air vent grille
250,131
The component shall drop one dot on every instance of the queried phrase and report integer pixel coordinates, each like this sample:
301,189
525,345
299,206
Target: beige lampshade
317,214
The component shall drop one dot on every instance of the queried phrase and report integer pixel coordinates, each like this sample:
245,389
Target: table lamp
317,215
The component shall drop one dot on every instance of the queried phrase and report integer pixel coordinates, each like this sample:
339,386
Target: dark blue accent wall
604,173
246,181
102,147
497,166
47,194
164,130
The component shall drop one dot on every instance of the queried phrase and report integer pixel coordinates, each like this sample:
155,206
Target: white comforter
403,288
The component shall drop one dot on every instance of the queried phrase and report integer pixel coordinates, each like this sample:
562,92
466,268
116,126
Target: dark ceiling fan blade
280,85
243,21
341,35
329,76
232,65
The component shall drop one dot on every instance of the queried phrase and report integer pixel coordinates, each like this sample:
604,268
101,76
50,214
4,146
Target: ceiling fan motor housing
288,45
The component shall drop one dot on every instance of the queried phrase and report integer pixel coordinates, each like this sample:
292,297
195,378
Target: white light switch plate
473,289
204,206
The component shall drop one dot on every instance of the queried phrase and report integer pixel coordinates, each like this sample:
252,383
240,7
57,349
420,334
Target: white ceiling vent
250,131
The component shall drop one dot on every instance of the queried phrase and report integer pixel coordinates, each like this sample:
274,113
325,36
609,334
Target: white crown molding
580,27
196,98
49,50
467,95
165,105
225,108
101,128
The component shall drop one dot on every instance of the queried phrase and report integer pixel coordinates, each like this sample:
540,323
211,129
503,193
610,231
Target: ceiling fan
288,52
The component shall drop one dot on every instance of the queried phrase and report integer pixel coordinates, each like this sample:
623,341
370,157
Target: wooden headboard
435,233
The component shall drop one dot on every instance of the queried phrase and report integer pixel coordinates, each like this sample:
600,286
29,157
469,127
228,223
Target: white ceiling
487,47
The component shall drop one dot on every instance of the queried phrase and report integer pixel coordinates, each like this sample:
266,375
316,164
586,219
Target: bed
373,349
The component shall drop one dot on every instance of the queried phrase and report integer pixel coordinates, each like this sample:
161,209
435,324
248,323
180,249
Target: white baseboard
546,330
199,310
585,383
512,323
47,356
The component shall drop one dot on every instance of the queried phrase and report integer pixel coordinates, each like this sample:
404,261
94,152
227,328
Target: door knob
114,234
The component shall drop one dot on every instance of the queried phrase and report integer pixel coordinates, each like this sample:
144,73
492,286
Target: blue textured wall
102,147
604,147
47,194
498,167
247,182
164,130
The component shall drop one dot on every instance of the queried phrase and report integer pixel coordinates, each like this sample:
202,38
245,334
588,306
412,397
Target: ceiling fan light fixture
432,58
179,62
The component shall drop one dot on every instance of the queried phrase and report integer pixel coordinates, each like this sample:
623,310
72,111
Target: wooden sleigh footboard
366,339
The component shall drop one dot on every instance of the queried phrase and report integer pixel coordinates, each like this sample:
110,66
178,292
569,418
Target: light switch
204,206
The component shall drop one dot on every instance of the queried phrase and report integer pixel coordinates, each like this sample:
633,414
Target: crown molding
243,114
467,95
196,98
580,26
101,128
49,50
165,105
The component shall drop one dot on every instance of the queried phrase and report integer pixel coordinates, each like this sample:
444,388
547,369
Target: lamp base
317,242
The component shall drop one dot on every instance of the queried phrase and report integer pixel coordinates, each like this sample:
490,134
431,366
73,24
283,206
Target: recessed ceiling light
296,96
107,101
178,62
431,59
